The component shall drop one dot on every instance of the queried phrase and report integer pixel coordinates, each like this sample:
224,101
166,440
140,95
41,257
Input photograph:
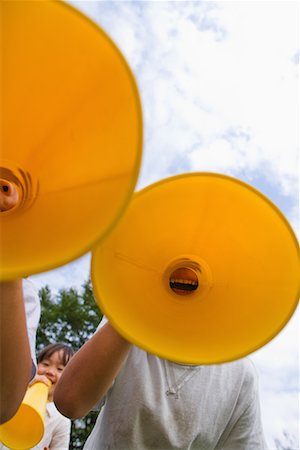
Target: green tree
71,317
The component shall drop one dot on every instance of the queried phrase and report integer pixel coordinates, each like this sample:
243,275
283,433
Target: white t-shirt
158,404
33,312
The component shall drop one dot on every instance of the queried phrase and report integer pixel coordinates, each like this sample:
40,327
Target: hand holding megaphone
40,379
26,428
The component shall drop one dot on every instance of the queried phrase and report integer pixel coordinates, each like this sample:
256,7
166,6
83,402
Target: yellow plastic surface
243,249
26,428
71,134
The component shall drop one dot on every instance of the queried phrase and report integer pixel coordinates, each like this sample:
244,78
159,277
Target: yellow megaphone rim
106,293
225,177
66,250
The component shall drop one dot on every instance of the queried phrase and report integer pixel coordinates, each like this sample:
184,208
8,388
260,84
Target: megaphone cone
202,269
26,428
71,135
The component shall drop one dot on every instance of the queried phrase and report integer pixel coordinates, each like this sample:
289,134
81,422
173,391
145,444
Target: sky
219,88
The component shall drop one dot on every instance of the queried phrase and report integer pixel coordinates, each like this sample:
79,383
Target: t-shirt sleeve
33,312
61,435
101,402
247,433
103,321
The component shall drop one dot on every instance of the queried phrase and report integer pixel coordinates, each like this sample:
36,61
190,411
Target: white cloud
205,68
278,367
70,275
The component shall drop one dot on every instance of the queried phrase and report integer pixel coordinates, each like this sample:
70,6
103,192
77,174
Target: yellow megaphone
26,428
71,135
202,269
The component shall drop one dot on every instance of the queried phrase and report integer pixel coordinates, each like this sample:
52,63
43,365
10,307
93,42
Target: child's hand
40,379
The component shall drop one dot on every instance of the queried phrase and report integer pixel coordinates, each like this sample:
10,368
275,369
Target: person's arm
90,373
15,357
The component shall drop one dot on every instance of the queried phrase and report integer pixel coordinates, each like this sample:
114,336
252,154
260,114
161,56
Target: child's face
52,367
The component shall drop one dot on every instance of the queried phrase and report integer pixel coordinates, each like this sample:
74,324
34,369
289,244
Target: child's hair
67,352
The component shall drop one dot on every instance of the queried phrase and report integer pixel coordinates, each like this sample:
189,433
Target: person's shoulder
249,370
32,303
30,291
246,368
29,285
248,379
241,372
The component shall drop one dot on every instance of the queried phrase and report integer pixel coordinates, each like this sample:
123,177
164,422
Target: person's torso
156,404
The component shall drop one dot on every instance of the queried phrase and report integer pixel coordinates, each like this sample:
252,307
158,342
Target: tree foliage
71,317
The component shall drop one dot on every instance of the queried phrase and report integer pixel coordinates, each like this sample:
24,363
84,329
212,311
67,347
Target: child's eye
60,369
